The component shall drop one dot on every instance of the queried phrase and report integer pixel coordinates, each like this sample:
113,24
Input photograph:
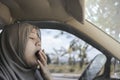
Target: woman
21,54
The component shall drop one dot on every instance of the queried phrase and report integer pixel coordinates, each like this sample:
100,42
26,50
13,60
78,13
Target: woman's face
32,46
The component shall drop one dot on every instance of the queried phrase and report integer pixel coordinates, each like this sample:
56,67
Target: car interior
69,16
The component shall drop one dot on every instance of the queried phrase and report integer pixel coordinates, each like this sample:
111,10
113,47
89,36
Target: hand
42,62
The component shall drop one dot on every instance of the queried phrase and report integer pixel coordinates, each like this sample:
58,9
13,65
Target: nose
38,44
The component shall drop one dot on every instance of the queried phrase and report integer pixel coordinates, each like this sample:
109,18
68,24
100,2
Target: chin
33,64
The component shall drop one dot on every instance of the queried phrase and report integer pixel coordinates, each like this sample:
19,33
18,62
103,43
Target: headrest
5,16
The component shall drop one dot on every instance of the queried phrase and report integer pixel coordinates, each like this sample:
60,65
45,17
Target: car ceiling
58,10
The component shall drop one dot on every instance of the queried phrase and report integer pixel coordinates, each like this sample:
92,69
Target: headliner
58,10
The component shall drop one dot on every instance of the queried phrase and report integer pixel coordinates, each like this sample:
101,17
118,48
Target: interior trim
65,27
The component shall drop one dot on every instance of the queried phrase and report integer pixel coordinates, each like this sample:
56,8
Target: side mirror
94,67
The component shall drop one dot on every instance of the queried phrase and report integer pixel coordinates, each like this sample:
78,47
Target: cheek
29,47
30,52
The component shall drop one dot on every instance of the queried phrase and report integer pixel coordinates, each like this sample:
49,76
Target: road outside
65,76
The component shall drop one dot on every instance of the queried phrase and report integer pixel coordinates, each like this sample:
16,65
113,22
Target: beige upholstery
59,10
5,16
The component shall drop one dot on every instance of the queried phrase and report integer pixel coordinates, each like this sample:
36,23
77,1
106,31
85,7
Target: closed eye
32,38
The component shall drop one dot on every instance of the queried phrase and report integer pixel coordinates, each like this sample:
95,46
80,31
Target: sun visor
58,10
75,8
5,17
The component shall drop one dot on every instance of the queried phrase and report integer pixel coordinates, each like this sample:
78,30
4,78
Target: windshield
105,14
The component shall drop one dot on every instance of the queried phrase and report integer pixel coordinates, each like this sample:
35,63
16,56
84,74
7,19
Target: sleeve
2,77
38,75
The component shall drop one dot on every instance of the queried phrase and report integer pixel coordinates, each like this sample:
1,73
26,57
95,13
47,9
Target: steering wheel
93,67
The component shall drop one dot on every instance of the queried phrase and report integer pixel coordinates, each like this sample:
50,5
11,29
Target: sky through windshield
105,15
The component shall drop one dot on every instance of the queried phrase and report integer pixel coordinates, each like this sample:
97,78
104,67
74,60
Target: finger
44,71
44,55
40,63
44,62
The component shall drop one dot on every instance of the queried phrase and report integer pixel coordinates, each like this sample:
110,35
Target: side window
67,53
